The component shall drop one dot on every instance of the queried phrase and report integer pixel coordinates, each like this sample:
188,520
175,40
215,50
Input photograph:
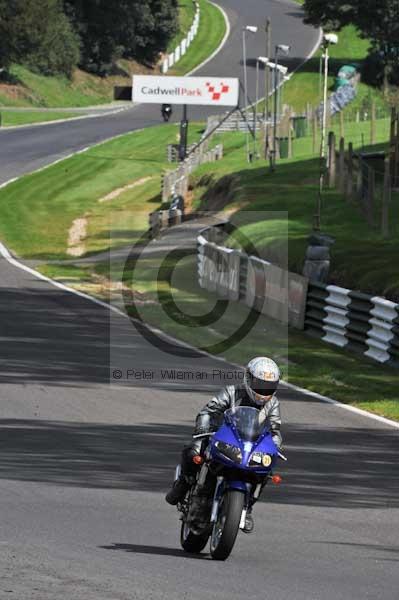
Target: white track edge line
4,252
58,121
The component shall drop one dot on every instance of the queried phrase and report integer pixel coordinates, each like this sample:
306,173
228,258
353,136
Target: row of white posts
184,45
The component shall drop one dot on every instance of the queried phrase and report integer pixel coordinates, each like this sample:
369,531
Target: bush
58,50
373,70
38,34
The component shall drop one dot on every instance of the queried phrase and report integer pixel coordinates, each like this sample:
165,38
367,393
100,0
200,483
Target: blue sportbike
236,463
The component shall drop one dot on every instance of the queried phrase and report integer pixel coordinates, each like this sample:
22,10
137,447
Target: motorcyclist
166,110
258,390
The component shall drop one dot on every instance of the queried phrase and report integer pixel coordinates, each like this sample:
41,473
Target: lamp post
329,38
283,49
268,47
265,61
252,29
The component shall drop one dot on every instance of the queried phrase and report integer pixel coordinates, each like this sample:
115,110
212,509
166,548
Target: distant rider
166,111
258,390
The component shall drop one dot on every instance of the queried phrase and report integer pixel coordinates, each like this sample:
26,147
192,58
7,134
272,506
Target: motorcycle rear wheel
225,529
190,542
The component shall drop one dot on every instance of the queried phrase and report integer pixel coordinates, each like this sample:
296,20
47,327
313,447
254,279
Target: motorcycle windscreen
249,422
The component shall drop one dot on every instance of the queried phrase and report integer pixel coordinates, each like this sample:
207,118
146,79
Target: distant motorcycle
236,464
166,111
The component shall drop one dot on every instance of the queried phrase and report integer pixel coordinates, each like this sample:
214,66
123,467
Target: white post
256,106
183,47
244,52
323,133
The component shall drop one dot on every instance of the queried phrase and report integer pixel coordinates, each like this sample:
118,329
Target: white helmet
261,379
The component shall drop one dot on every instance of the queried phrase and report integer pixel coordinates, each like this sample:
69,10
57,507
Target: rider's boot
188,469
249,523
178,490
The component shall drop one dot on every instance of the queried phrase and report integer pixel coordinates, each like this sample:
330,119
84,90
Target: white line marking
58,121
221,45
348,407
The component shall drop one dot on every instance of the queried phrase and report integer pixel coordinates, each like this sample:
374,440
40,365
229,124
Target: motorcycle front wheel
190,542
225,529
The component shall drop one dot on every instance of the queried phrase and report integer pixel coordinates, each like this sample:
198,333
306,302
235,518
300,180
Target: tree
5,36
110,29
332,15
40,36
376,21
379,21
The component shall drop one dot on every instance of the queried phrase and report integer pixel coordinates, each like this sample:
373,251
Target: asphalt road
84,464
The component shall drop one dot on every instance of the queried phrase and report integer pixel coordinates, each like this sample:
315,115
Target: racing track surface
84,465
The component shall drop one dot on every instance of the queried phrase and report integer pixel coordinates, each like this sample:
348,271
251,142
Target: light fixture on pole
265,61
279,49
328,39
251,29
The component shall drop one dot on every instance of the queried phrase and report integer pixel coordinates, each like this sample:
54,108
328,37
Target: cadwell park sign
203,91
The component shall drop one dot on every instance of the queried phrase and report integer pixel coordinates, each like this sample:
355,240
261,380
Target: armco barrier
366,324
218,269
355,321
265,287
182,48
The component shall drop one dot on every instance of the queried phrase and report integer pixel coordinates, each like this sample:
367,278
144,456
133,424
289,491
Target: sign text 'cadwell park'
208,91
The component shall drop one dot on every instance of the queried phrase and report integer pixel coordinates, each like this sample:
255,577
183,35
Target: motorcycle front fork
251,498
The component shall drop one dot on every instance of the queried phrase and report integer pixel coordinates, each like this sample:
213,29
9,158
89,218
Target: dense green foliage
39,34
54,36
111,29
377,21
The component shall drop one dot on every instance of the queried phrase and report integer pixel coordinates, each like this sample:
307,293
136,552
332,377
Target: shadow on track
155,550
349,468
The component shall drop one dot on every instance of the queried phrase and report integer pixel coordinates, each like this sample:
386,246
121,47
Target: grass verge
130,167
14,118
25,88
211,31
186,18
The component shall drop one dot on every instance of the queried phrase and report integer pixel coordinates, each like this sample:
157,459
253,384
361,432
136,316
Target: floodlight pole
273,162
317,219
267,84
244,58
256,108
183,135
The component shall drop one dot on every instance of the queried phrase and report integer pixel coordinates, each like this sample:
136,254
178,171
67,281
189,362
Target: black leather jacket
210,417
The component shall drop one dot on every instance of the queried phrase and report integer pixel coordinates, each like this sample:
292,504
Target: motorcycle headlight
258,459
231,452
